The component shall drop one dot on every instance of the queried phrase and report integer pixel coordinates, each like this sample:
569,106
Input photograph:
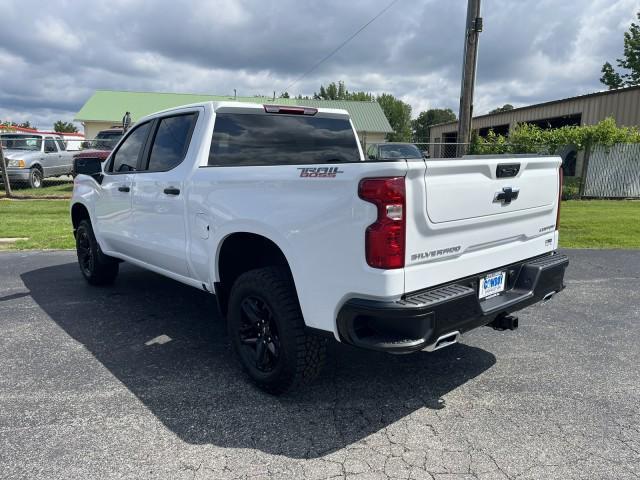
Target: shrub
528,138
571,188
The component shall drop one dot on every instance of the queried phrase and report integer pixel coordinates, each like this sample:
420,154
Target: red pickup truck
101,146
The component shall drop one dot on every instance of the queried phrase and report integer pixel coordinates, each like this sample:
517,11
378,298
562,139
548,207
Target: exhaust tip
444,341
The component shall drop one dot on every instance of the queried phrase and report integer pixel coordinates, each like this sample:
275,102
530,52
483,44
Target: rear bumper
419,319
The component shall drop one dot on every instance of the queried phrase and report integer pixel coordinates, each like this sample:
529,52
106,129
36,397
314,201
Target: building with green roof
106,108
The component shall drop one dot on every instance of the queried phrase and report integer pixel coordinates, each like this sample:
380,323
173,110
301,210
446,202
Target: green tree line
398,113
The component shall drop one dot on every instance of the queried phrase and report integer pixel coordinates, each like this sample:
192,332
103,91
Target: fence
613,172
42,166
34,172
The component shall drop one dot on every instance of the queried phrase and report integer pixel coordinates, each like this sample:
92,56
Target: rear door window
49,146
171,142
262,139
125,159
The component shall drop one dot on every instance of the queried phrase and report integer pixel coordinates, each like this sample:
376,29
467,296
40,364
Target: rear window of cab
262,139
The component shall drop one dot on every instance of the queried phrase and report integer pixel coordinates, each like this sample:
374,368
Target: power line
334,51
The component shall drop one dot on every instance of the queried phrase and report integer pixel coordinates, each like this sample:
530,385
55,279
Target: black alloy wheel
259,334
86,258
96,267
268,334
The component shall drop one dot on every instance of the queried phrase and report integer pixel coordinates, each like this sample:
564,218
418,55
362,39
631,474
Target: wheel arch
79,212
240,252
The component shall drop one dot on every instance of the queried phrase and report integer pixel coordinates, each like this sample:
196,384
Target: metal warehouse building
106,108
622,104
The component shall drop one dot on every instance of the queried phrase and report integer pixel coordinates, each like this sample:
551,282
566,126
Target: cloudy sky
53,55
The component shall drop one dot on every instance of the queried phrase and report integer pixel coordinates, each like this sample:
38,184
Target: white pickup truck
275,210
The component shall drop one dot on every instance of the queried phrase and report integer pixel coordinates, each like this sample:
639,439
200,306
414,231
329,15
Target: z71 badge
319,172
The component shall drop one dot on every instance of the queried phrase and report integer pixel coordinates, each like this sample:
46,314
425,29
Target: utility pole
5,177
471,35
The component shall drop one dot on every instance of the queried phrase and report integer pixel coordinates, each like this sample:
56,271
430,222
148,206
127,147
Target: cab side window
49,146
171,142
371,152
125,159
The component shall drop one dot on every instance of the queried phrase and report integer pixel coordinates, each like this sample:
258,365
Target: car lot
138,381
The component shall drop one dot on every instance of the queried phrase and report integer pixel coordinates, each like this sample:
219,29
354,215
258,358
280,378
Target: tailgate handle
507,170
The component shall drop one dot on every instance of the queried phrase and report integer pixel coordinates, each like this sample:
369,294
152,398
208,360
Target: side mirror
88,166
372,157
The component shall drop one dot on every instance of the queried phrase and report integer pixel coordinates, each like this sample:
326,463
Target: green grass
46,224
600,224
58,188
583,224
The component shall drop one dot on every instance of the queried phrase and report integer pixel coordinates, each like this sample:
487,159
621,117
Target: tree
64,127
397,112
630,63
399,115
284,95
26,124
421,125
610,77
338,91
505,108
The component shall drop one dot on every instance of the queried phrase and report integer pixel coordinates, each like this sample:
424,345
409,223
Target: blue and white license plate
492,284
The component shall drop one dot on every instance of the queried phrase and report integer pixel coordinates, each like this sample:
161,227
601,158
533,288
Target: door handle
124,189
172,191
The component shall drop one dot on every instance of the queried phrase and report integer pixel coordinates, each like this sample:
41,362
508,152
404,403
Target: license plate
492,284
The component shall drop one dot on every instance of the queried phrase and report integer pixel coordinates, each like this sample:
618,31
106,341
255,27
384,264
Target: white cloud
54,58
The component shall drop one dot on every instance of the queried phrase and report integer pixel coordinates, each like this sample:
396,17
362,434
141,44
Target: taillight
290,110
385,239
561,178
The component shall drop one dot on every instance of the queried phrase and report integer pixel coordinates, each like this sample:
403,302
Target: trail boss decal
319,172
430,255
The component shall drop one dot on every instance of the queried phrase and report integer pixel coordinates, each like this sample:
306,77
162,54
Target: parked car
393,151
275,210
73,141
33,157
101,146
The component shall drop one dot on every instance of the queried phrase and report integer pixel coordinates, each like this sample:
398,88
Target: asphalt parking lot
138,381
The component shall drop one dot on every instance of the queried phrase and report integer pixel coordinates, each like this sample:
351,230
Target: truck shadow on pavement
193,385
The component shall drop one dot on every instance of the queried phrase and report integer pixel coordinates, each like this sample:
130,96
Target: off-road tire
96,267
301,354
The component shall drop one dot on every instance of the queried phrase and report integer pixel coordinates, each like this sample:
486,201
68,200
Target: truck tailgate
475,214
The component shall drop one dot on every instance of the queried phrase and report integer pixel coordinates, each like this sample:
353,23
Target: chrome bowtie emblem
507,195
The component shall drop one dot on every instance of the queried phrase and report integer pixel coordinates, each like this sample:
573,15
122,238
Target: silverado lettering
435,253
